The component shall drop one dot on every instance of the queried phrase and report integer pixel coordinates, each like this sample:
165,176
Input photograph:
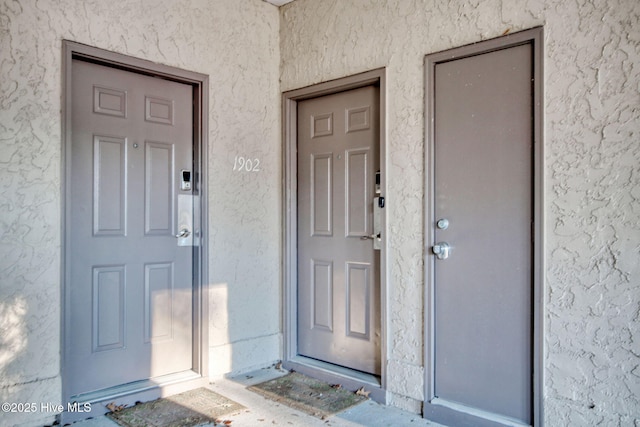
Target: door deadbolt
441,250
442,224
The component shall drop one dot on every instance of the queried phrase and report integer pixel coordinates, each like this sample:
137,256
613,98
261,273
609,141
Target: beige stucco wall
592,173
592,176
236,44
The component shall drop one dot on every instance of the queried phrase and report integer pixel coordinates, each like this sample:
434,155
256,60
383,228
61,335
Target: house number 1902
242,164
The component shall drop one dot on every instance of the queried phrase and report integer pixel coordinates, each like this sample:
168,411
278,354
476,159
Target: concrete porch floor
263,412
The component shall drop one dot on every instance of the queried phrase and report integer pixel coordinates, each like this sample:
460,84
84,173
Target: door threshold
129,394
501,420
335,374
134,387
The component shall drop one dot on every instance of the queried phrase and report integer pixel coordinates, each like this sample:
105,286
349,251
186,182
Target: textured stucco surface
236,44
592,175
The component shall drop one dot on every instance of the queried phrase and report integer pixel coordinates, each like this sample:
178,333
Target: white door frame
534,36
292,360
146,389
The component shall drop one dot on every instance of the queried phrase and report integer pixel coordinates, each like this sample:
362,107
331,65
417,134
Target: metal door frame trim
200,84
535,37
348,378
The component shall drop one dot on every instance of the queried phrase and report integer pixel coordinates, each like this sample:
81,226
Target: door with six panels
338,267
129,300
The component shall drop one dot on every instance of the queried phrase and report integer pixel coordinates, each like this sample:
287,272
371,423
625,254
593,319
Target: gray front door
483,210
129,305
338,268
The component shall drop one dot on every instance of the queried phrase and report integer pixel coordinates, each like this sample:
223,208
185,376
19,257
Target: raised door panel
108,307
110,184
321,189
159,192
358,299
158,301
358,194
322,295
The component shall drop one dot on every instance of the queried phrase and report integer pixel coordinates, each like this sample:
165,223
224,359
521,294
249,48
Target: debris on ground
362,392
113,407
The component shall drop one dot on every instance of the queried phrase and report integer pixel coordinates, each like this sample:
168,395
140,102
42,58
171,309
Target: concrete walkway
263,412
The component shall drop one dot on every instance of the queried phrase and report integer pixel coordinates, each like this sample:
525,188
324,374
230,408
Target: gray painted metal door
338,268
129,300
483,283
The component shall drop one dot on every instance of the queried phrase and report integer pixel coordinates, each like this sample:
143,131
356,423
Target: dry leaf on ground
362,392
113,407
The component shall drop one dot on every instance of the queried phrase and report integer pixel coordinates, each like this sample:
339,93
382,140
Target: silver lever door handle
370,237
441,250
183,233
